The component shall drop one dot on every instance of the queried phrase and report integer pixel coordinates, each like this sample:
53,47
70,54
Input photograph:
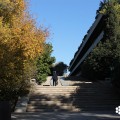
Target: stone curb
21,105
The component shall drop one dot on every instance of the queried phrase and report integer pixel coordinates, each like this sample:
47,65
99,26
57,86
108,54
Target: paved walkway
66,116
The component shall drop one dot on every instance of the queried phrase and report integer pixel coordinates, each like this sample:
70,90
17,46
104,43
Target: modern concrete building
91,39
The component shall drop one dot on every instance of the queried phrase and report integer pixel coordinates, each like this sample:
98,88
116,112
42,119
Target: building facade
90,40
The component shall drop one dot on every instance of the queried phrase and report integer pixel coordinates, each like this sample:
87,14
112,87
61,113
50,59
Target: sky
67,21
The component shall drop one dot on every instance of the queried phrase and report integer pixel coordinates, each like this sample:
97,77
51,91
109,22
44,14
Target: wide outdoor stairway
79,101
85,97
50,98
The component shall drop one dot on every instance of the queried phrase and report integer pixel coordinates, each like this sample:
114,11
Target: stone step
70,109
96,108
74,91
56,100
70,105
75,97
105,101
81,92
51,106
54,92
54,109
50,96
74,88
75,94
49,90
82,89
43,102
77,100
56,88
58,103
39,86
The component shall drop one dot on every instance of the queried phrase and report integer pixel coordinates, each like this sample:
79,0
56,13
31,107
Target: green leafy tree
59,68
102,61
44,63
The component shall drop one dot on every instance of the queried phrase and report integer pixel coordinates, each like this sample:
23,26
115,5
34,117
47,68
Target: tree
20,43
114,31
59,68
44,63
105,56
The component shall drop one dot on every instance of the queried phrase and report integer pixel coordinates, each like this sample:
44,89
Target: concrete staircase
86,97
85,101
51,98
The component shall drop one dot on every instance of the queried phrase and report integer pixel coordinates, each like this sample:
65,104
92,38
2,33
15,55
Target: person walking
55,78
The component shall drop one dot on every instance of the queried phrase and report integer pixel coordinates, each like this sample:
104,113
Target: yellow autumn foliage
20,43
